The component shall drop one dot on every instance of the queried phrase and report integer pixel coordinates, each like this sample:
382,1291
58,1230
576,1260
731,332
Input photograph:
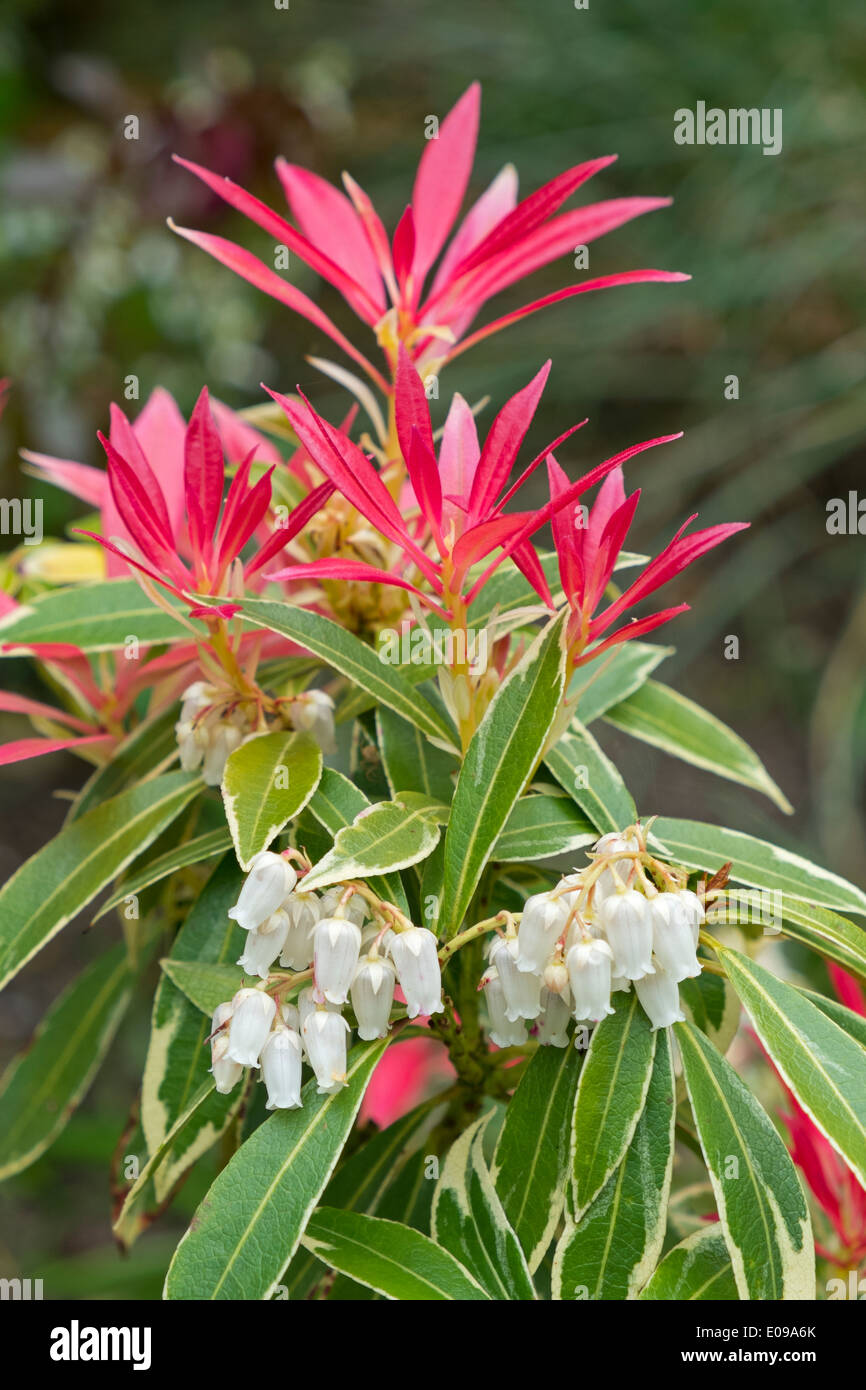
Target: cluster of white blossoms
624,920
350,959
212,725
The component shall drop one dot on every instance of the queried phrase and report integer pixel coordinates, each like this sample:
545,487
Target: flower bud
196,698
225,1072
313,712
674,936
252,1015
354,907
415,956
589,965
660,999
281,1069
556,977
541,925
307,1004
324,1035
500,1028
372,996
303,912
553,1020
263,944
522,991
337,945
191,744
628,927
270,879
223,739
611,880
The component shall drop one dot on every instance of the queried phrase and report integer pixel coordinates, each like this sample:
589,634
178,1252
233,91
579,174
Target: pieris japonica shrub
340,701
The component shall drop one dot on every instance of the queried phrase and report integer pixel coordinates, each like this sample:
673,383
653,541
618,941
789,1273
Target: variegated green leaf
195,851
95,617
610,1251
350,656
178,1061
267,781
823,1065
411,762
833,937
392,1259
469,1220
764,1216
132,1217
150,746
248,1227
604,683
541,826
756,863
43,1086
697,1270
335,804
587,774
531,1164
610,1096
383,838
499,761
67,873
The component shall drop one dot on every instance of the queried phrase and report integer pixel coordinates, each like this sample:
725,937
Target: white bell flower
628,927
354,907
693,909
553,1020
303,912
226,1073
415,953
589,966
337,945
281,1069
541,925
252,1015
263,944
611,880
313,712
271,878
372,996
674,937
502,1030
660,999
522,990
556,976
325,1038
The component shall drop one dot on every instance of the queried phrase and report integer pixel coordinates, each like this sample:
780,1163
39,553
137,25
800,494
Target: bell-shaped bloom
332,902
385,280
459,518
263,944
611,880
541,925
337,945
313,712
628,928
502,1030
252,1016
589,973
551,1028
270,880
659,996
225,1071
415,953
674,937
522,990
281,1069
693,909
298,947
325,1035
372,996
588,553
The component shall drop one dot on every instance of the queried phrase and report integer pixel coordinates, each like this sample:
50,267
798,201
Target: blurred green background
93,288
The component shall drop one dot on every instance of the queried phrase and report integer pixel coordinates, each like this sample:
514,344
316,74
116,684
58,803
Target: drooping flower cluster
214,722
627,919
351,960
